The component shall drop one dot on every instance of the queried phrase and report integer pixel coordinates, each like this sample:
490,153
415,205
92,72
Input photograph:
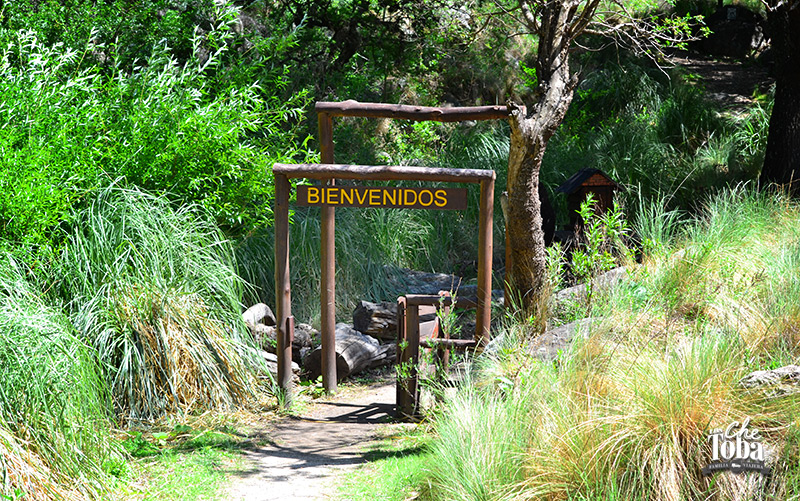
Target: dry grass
627,412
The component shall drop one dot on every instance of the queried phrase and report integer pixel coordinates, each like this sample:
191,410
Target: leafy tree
557,24
339,39
782,158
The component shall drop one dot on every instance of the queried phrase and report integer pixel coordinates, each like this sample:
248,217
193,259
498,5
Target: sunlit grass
155,291
626,412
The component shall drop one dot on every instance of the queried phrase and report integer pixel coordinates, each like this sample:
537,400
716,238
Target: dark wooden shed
583,182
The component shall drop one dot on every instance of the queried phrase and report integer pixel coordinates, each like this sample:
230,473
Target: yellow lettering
361,199
313,195
405,197
390,195
347,195
333,196
374,197
441,198
430,197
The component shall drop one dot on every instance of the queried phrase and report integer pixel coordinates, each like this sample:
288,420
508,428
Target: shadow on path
306,453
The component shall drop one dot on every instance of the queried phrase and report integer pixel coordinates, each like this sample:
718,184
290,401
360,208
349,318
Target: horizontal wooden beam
447,343
432,299
352,108
383,173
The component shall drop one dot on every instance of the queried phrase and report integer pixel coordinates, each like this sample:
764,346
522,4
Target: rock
779,382
548,345
605,281
304,336
355,352
419,282
271,360
376,319
259,314
266,339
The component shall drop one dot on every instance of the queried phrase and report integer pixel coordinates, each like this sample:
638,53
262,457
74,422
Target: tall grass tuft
155,291
626,411
53,402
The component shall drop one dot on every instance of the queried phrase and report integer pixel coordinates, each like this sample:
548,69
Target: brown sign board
383,196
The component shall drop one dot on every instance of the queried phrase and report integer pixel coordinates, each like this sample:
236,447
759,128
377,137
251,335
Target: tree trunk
529,138
782,158
525,236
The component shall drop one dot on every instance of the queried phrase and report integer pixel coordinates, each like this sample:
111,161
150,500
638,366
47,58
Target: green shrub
626,411
71,128
54,412
155,291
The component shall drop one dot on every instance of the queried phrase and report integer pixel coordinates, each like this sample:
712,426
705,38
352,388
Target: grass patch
192,458
184,475
625,413
155,291
53,401
396,463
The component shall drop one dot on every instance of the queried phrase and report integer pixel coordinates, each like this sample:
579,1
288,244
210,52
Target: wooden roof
586,177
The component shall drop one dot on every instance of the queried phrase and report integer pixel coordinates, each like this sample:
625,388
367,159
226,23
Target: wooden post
403,398
283,293
408,394
328,257
483,317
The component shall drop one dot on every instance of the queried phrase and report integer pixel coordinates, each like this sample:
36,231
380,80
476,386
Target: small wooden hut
583,182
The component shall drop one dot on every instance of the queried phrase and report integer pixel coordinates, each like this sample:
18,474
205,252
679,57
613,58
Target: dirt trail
307,453
729,83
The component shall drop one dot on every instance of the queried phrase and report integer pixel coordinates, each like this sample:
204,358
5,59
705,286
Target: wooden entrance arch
327,172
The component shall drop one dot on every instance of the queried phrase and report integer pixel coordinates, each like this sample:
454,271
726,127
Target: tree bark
529,137
782,158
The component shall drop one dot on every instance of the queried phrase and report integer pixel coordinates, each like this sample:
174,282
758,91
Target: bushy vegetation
135,222
155,291
54,411
625,413
71,128
659,136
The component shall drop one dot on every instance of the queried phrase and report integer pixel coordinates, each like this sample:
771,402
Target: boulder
271,361
266,339
259,314
548,345
778,382
579,292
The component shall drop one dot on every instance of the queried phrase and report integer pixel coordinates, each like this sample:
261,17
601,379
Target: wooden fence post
328,257
283,293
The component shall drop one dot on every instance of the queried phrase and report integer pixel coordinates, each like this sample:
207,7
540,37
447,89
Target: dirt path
729,83
307,453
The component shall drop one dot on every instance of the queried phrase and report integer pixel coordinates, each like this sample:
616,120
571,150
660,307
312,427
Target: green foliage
53,401
626,411
130,31
661,136
155,291
71,128
395,467
604,241
183,461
